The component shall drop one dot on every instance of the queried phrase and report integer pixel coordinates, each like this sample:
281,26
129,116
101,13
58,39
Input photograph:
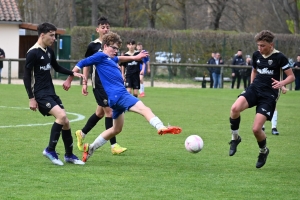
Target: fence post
9,72
152,74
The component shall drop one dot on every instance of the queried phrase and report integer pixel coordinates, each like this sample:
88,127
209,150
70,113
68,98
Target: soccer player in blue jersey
39,86
118,98
144,69
99,93
263,92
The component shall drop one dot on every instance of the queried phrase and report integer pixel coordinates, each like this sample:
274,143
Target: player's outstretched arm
140,56
67,83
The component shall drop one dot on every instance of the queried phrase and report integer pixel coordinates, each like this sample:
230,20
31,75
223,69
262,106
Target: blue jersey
109,73
145,60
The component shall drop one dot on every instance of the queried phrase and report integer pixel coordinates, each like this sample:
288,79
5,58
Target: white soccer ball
194,143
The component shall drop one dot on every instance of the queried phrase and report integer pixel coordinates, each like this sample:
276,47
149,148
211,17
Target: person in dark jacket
216,71
237,60
210,69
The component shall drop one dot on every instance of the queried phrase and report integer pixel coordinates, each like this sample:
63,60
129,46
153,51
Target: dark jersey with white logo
267,68
132,67
37,76
93,48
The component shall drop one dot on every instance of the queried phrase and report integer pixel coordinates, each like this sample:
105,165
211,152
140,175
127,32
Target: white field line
79,117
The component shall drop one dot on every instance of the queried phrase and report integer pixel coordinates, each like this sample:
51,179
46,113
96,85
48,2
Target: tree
291,7
94,12
126,13
215,11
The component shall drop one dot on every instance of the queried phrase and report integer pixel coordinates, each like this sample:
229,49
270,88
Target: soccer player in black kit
99,93
131,70
39,86
263,92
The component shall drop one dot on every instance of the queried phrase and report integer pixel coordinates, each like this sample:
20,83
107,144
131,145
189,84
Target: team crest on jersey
49,55
105,101
48,105
257,61
270,62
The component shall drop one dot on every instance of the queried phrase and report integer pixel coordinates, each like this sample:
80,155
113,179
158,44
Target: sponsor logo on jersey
49,55
265,71
105,101
270,62
45,68
132,63
48,105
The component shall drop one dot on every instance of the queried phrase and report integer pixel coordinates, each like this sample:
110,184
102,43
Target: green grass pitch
154,167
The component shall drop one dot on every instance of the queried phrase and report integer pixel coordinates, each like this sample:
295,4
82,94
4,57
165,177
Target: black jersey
132,67
267,68
94,47
297,72
37,71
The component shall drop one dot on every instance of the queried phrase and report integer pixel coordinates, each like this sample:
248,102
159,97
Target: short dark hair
102,21
131,42
264,35
139,43
45,28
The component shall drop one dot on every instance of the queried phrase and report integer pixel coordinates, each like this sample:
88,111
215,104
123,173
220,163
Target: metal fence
154,67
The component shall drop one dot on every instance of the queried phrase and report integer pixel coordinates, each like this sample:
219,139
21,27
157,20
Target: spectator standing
297,73
237,60
2,55
216,71
246,73
210,69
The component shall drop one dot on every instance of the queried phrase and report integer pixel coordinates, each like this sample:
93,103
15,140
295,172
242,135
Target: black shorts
101,97
46,103
265,102
133,81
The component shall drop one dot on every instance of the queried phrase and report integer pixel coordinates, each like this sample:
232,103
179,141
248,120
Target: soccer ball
194,143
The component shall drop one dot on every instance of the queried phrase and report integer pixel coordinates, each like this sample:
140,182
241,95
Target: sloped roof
9,11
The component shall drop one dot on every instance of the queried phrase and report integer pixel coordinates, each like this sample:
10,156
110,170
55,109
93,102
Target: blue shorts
124,103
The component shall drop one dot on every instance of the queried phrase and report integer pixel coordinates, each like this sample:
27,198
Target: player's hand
79,75
84,90
66,84
142,72
276,84
283,90
33,105
142,54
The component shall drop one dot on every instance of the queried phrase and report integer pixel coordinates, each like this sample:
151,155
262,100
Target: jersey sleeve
91,60
254,66
57,67
284,62
89,51
29,65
